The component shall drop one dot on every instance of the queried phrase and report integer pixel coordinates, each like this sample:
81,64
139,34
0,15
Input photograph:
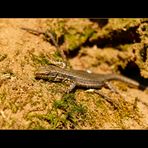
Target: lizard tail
126,80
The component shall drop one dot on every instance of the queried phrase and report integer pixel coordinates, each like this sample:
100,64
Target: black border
109,138
73,9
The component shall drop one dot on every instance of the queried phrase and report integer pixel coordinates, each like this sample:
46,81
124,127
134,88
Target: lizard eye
52,74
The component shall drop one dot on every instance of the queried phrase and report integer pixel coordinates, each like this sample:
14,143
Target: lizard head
46,72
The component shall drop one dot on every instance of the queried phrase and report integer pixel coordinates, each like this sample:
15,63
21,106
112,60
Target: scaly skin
81,78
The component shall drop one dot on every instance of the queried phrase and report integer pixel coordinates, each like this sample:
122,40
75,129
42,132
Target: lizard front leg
72,85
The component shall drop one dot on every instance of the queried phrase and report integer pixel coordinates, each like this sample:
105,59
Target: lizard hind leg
112,88
112,102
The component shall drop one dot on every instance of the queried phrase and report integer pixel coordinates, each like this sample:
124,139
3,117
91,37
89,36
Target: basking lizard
81,78
77,77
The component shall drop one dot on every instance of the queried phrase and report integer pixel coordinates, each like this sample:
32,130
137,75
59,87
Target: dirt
102,46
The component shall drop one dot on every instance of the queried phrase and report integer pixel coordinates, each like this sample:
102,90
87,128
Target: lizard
78,78
83,79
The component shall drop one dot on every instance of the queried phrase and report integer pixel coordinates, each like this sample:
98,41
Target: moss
64,113
41,59
36,125
75,32
57,56
52,118
68,104
57,27
75,39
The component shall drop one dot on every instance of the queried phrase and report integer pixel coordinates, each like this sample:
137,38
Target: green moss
68,103
57,27
51,118
74,39
41,59
61,104
75,32
36,125
57,56
64,113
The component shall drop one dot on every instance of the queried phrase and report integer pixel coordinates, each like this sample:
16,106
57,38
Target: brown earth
26,103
